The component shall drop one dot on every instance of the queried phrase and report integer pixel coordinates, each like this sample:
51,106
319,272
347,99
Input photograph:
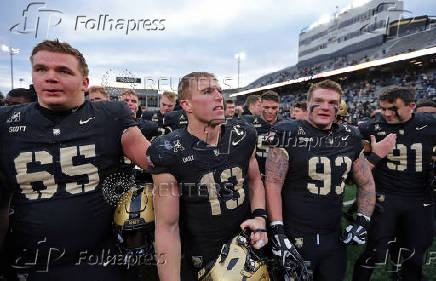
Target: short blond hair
129,92
185,83
169,95
325,84
98,89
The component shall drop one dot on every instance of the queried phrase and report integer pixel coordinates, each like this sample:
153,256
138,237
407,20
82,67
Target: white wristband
366,217
276,223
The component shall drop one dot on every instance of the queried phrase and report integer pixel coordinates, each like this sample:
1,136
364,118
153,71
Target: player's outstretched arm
135,146
276,168
167,235
364,180
381,149
256,194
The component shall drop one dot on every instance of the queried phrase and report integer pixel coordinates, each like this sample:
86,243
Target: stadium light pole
11,51
239,56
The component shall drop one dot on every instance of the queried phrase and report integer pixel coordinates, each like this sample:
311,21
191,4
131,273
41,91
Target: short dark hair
185,83
252,99
393,93
301,104
57,47
270,95
22,93
325,84
228,102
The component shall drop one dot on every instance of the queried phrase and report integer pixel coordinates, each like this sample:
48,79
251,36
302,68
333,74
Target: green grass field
380,274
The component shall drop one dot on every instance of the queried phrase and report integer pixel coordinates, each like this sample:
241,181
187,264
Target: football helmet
342,113
237,261
134,223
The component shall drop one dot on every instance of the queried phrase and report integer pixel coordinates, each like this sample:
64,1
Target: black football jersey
262,128
213,183
175,120
407,169
55,161
319,162
148,128
154,116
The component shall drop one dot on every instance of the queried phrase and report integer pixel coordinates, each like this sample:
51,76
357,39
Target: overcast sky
191,36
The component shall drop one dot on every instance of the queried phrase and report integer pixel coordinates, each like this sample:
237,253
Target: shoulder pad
163,150
423,118
11,114
349,129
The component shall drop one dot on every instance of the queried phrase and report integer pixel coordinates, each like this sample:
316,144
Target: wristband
373,158
273,223
260,213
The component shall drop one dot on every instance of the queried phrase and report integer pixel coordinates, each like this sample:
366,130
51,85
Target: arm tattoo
276,166
365,186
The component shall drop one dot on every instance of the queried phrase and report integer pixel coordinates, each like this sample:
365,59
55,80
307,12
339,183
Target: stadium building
348,31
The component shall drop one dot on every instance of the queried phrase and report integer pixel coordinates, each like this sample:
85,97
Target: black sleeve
159,154
148,128
125,116
281,133
365,131
251,135
357,137
147,115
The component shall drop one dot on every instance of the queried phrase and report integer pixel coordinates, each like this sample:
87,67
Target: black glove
356,233
288,255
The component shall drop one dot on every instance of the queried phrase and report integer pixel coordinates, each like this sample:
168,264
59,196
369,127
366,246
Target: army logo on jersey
15,117
177,146
301,132
299,243
377,127
256,123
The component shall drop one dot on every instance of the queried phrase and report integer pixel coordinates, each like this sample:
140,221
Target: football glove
355,233
289,258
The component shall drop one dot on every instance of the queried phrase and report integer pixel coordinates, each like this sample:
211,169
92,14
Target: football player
299,111
55,153
98,93
229,109
19,96
166,104
148,128
207,182
270,102
252,105
306,167
403,185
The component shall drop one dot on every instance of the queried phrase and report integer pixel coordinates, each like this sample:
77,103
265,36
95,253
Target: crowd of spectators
361,95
